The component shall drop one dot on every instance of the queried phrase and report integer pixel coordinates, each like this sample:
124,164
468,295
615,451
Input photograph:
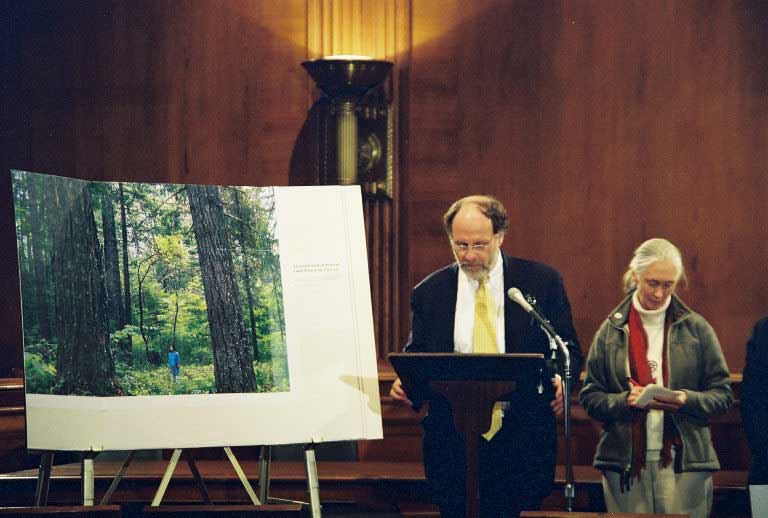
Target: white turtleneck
653,323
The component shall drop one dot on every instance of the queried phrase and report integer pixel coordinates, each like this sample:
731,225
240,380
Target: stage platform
371,488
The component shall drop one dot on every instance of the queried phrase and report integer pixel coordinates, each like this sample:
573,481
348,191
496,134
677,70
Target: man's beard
480,272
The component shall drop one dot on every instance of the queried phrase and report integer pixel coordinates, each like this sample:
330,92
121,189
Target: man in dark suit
754,402
517,462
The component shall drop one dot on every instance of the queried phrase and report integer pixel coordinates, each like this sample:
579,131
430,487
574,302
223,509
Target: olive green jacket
696,366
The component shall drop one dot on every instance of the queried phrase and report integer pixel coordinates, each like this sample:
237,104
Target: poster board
327,388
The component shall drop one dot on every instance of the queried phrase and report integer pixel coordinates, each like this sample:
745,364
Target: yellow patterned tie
484,341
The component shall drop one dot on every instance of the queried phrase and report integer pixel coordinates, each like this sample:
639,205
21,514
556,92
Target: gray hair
649,252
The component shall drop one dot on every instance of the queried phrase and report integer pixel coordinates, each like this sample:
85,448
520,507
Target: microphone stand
556,343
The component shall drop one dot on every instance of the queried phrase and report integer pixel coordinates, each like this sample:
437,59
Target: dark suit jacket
433,305
754,401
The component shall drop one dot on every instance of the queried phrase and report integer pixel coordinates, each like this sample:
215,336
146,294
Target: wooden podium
471,383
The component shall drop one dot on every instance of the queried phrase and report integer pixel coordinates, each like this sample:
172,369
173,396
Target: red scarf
641,373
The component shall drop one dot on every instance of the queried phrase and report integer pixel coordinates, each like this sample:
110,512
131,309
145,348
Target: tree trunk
84,359
127,345
175,319
115,311
140,277
48,217
241,237
273,264
232,358
38,258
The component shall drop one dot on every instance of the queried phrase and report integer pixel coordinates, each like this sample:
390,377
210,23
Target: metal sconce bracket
356,124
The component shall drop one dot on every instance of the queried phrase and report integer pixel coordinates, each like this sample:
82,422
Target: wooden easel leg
118,478
265,460
43,478
314,488
241,476
166,478
86,477
198,479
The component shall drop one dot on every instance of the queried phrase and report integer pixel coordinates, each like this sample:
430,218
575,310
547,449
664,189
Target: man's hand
669,403
557,403
398,393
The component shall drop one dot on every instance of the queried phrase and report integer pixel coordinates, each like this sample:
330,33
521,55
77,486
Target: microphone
517,296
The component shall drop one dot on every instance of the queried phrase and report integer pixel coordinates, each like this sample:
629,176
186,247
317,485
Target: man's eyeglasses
463,248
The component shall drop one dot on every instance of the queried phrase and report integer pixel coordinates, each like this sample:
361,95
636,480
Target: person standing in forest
174,362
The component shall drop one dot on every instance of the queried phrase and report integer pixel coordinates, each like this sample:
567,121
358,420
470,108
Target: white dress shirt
464,321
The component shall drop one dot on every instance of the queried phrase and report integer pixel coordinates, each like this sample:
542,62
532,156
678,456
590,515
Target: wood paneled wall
599,124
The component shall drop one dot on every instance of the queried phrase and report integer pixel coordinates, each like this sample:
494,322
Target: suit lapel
516,320
448,308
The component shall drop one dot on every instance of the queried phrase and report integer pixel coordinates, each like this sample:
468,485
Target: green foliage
193,379
196,379
121,334
142,379
173,269
193,352
40,376
272,376
44,349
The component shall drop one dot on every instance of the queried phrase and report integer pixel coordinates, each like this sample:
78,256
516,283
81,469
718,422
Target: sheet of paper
651,392
758,499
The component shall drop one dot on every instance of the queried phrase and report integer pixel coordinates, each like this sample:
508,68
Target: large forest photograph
136,289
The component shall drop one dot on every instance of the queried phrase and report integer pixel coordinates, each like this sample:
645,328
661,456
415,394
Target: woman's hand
635,391
669,403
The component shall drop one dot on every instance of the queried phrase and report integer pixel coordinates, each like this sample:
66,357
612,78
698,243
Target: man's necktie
484,341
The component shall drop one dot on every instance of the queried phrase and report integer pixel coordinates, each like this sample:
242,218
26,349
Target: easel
44,477
313,487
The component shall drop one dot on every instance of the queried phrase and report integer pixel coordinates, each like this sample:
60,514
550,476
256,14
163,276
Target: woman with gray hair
655,374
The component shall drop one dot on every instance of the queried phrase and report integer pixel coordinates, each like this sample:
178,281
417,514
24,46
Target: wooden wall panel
599,124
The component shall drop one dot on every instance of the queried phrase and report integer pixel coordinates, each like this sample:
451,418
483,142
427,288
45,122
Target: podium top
426,367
